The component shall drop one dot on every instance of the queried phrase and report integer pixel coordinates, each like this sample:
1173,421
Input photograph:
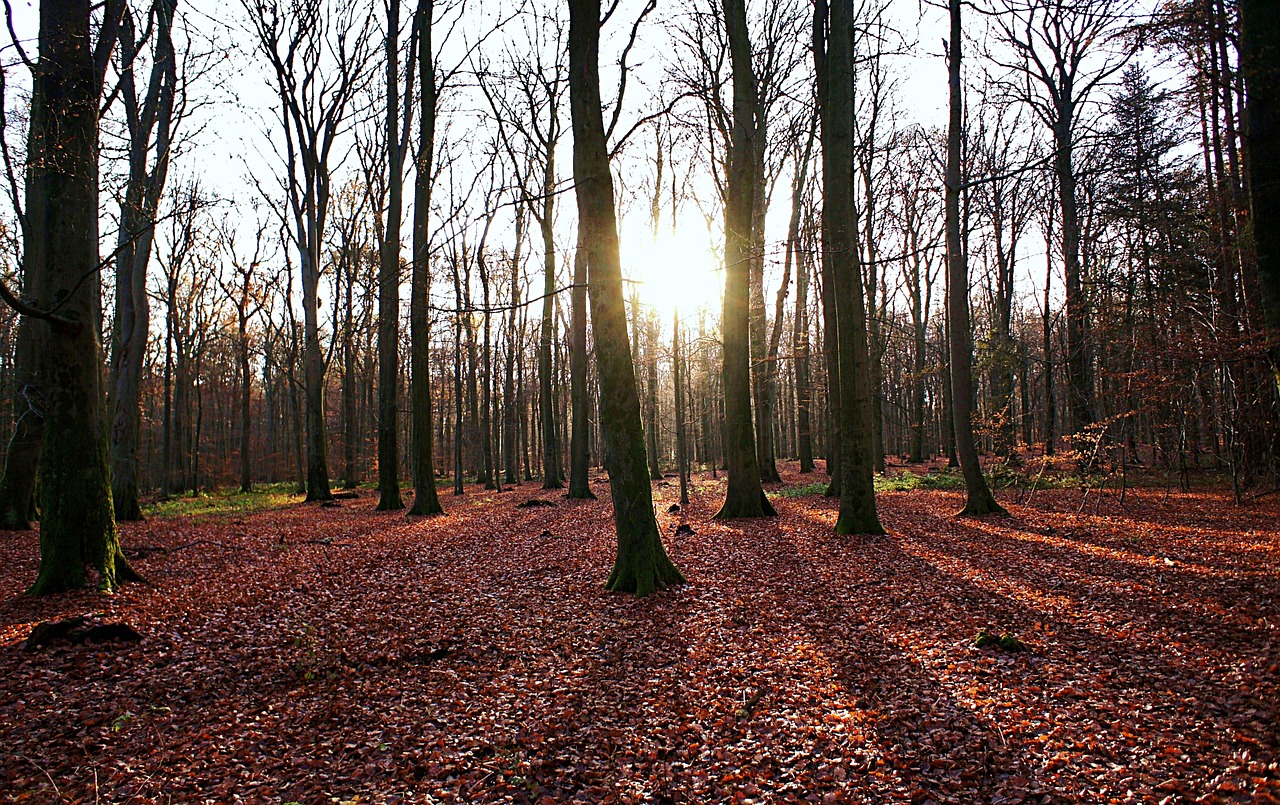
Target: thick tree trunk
642,565
77,522
1260,63
839,223
979,499
425,499
744,496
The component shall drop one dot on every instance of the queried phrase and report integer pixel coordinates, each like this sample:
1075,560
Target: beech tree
843,301
979,499
79,543
744,497
642,565
319,58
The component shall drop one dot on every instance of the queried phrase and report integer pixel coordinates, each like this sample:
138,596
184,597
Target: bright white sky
232,136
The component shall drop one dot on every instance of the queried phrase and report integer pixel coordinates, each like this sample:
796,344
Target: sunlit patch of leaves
309,655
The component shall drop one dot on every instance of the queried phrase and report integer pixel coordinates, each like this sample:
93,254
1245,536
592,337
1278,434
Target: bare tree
844,305
979,499
642,565
1062,53
319,58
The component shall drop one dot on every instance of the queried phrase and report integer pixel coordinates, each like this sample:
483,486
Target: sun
675,271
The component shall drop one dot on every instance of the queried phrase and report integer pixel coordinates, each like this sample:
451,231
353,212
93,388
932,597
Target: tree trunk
744,496
77,522
425,499
839,223
389,284
979,499
18,484
642,565
1260,63
137,222
579,437
552,470
677,363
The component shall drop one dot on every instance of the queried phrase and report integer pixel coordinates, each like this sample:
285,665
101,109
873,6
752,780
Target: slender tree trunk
979,499
642,565
580,437
552,470
677,362
18,484
389,284
800,346
425,499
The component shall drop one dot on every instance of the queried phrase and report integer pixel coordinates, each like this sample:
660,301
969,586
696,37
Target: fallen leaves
476,658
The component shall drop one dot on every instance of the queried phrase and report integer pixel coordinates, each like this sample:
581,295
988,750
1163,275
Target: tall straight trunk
389,283
580,436
18,483
979,499
761,367
677,363
800,348
511,408
79,543
1080,386
425,499
839,223
458,487
246,387
552,470
350,425
642,565
489,472
1050,405
137,222
651,399
1260,63
744,496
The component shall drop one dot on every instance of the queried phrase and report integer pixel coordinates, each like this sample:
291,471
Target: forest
640,402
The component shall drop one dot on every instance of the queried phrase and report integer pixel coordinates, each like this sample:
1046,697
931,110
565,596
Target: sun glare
677,270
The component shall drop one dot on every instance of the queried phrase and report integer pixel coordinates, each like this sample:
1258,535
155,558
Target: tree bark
389,283
642,565
744,496
580,436
979,499
77,522
425,499
839,223
1260,63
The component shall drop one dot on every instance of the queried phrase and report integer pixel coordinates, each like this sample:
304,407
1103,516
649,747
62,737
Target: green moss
224,502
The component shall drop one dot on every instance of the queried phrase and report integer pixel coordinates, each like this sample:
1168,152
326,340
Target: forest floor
316,655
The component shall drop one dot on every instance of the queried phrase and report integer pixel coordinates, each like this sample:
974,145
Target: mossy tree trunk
642,565
77,531
744,496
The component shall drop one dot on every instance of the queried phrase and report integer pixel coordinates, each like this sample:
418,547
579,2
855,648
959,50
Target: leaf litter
312,654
